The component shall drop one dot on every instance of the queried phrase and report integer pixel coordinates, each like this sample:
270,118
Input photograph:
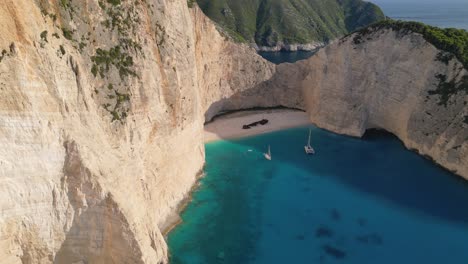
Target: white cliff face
102,110
384,82
98,151
225,69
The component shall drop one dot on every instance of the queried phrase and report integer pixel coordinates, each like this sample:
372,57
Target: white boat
268,154
308,148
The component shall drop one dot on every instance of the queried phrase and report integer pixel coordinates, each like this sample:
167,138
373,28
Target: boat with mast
308,148
268,154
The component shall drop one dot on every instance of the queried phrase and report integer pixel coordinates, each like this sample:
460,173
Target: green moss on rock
451,40
447,88
104,59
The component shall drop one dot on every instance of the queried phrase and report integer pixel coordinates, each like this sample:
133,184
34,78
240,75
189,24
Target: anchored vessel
308,148
268,154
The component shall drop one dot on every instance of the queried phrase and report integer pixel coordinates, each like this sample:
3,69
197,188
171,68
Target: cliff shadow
378,165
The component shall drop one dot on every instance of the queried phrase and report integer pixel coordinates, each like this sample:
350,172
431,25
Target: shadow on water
378,164
286,56
302,209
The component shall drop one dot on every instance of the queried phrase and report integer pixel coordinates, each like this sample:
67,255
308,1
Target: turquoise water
356,201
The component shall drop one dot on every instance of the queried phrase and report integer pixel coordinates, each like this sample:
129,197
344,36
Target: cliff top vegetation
451,40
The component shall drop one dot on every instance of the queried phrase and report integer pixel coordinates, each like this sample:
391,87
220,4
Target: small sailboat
308,148
268,154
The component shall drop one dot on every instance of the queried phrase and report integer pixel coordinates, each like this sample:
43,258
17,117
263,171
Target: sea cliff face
102,111
391,80
103,104
387,79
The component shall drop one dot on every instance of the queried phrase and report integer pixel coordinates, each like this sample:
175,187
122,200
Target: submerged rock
361,221
335,215
374,239
334,252
323,231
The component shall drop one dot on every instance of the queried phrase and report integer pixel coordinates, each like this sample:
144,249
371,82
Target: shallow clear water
356,201
447,13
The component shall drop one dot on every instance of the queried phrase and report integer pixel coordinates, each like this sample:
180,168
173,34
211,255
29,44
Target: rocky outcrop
386,79
101,116
102,105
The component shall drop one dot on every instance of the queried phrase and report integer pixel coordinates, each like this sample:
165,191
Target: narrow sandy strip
229,126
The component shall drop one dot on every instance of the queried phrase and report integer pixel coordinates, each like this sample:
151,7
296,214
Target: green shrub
445,89
62,50
190,3
53,17
451,40
44,35
68,34
103,59
67,6
114,2
3,54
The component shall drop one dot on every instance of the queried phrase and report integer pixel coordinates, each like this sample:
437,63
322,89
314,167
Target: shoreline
229,126
174,219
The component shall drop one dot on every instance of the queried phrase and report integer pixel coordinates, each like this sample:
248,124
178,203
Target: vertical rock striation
102,105
101,114
391,80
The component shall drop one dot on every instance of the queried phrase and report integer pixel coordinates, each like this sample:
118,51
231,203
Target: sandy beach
229,126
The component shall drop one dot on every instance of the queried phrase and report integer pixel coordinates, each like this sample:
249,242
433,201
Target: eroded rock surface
388,80
102,105
102,108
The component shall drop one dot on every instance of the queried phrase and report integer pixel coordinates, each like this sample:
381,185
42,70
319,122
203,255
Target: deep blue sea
357,201
440,13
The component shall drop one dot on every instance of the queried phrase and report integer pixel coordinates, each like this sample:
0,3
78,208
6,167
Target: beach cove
356,201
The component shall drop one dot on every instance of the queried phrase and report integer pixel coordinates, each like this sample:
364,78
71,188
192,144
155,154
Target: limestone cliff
102,110
386,79
102,105
397,81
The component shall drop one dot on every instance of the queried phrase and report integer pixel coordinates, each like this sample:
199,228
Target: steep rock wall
391,80
386,80
102,106
101,116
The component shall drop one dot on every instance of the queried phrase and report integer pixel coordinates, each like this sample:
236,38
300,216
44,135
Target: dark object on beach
261,122
333,251
323,231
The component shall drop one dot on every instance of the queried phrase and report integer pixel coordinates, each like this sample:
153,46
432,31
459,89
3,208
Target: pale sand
229,126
